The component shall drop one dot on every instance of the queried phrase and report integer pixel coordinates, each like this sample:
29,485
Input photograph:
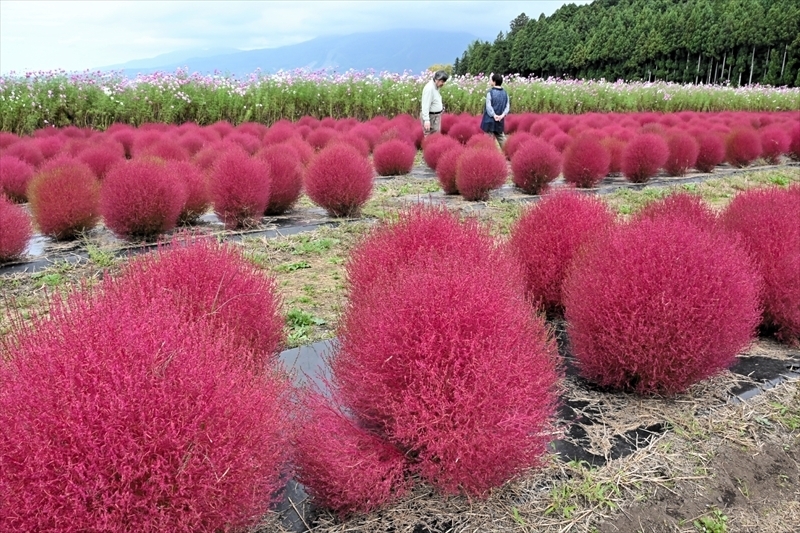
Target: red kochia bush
287,178
586,162
140,199
546,237
320,137
643,156
394,158
343,466
513,142
101,157
774,143
434,146
15,176
615,147
119,416
657,305
15,230
65,199
742,147
197,199
464,130
240,188
794,144
711,152
447,166
768,220
447,361
682,206
683,151
27,150
534,165
480,171
339,179
213,282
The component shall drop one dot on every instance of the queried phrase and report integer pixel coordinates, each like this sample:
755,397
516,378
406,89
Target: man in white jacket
432,107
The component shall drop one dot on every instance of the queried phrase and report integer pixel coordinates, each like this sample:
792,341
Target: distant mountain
391,50
171,58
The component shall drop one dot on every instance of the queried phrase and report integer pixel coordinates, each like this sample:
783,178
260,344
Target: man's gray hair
440,75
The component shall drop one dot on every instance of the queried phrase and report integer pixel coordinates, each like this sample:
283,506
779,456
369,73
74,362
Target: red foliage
356,141
657,305
482,142
15,230
165,149
448,120
615,147
50,146
463,130
287,178
250,143
768,220
683,152
195,186
436,374
304,150
643,156
586,162
394,158
513,142
794,145
240,188
101,157
64,199
774,143
546,237
279,132
368,132
434,146
712,152
126,137
534,165
192,143
253,129
339,179
562,141
320,137
682,206
141,199
343,466
223,128
742,147
212,282
15,176
119,416
480,171
447,167
7,139
27,150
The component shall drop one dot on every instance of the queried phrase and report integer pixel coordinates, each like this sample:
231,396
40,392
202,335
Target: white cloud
76,35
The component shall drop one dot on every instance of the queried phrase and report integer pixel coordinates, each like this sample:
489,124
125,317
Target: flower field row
96,99
143,182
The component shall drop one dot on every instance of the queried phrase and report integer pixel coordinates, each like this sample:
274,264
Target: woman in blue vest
496,109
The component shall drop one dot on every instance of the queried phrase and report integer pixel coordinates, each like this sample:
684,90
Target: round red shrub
119,416
50,146
794,144
304,150
192,143
480,171
534,165
343,466
15,176
320,137
682,206
394,158
463,130
774,143
286,171
586,162
768,221
546,237
434,146
165,149
615,147
279,132
213,282
101,157
658,305
250,143
223,128
254,129
368,132
742,147
339,179
15,230
711,152
561,141
27,150
482,142
643,156
448,120
447,167
513,142
126,137
683,152
65,199
195,186
240,188
356,141
141,199
435,374
7,139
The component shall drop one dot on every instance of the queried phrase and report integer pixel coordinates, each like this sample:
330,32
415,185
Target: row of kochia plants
143,182
156,401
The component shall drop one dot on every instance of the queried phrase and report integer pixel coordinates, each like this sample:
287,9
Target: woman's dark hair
497,79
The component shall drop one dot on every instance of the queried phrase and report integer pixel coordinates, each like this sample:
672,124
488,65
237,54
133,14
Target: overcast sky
39,35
